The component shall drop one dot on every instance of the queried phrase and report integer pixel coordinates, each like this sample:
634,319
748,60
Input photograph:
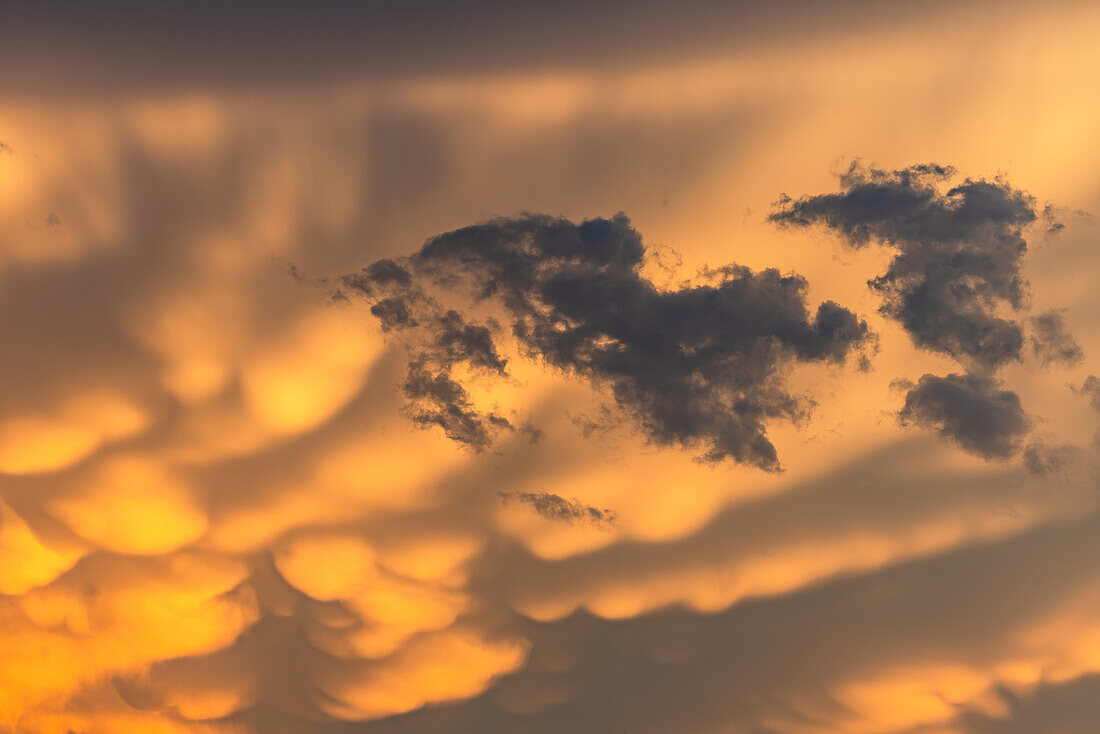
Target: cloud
1051,341
955,273
1091,388
697,366
969,409
443,342
1041,458
958,253
437,399
142,47
302,555
743,667
558,509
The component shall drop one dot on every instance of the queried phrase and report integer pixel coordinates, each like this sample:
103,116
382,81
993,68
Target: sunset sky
564,367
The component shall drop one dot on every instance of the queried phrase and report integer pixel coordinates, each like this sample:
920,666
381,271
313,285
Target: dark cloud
1091,388
462,342
393,313
971,410
1051,219
958,253
697,366
534,435
129,44
956,270
438,342
555,507
1051,341
379,274
1041,458
436,399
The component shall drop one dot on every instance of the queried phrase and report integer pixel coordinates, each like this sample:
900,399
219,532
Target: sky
528,367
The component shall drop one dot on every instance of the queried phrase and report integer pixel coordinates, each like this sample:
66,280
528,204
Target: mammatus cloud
558,509
697,366
958,254
1051,341
969,409
287,554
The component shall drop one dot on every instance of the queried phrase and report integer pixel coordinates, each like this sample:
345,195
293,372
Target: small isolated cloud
1041,458
558,509
971,410
697,366
958,253
1052,220
1091,389
1051,341
1084,216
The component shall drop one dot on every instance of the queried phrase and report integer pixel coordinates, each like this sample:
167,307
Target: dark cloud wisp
697,366
1051,341
559,509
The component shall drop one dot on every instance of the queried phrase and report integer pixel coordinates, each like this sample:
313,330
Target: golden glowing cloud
215,512
132,505
31,444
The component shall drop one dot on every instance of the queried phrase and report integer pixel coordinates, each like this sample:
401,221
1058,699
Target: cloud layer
230,505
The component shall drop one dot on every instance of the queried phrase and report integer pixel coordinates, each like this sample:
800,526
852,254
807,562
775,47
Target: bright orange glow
306,375
39,443
443,666
25,561
327,568
132,505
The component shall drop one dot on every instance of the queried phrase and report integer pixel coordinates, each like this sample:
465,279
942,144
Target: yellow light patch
311,370
133,505
442,666
32,444
327,567
25,561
